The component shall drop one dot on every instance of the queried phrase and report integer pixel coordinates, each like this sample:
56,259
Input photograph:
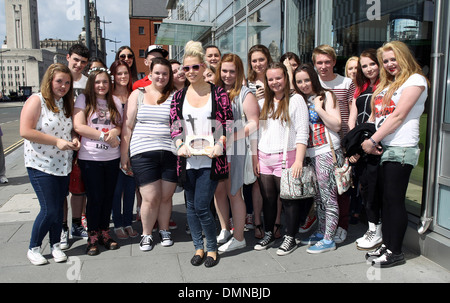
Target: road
9,121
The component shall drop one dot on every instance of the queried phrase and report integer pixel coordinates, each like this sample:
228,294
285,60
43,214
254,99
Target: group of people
135,138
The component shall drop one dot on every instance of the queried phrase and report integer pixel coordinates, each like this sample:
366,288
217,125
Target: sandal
259,230
277,231
107,241
92,247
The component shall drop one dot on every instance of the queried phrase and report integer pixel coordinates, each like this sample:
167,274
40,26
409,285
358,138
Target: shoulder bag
297,188
343,174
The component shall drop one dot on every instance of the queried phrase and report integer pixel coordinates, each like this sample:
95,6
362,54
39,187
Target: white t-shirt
407,134
95,150
198,122
79,86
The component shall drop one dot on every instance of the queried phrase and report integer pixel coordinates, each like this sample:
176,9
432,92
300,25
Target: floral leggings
326,199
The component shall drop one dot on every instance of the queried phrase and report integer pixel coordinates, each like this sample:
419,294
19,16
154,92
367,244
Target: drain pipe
427,216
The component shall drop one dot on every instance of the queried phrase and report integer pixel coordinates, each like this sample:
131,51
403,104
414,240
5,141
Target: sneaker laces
369,235
288,241
165,234
267,238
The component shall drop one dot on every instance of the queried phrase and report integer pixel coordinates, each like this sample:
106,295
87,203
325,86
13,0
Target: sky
63,19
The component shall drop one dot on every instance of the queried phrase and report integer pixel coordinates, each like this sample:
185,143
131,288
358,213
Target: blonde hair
194,49
354,58
408,66
324,49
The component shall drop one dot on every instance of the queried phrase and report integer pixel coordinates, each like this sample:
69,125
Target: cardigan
222,111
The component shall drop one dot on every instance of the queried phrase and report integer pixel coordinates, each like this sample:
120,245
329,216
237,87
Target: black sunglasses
123,56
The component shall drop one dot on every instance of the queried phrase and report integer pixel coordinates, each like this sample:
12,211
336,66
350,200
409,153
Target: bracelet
102,137
179,146
373,142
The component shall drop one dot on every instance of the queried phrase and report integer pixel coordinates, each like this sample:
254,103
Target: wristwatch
102,137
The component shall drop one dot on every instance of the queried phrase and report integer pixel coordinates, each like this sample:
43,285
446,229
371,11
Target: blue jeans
123,202
199,191
51,192
100,179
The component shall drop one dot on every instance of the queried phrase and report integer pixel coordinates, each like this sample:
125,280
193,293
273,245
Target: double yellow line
13,147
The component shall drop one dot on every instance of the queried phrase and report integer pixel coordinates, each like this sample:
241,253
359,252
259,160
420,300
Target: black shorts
155,165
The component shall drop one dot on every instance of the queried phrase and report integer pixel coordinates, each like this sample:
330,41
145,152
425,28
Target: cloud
64,19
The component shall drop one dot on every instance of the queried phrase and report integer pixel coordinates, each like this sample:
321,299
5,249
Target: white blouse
48,158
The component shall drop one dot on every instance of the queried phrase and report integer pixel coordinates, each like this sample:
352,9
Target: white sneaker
249,222
223,237
3,180
64,240
371,239
35,256
58,254
146,243
340,236
166,238
232,244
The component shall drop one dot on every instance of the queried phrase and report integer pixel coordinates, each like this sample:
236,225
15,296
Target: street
9,121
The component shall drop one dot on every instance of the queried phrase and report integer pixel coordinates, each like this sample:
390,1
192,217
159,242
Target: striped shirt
152,131
344,89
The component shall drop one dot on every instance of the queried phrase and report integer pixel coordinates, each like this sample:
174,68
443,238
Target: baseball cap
156,48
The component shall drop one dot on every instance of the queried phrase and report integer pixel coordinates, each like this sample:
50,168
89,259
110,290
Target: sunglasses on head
129,56
195,67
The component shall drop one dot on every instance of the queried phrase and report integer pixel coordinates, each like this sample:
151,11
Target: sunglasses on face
129,56
194,67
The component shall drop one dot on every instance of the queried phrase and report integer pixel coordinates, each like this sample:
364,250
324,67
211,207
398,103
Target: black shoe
210,262
388,259
197,260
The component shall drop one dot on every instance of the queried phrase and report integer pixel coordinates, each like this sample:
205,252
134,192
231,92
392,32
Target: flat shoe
210,262
197,260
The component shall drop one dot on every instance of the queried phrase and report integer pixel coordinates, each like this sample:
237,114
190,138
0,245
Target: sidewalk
19,206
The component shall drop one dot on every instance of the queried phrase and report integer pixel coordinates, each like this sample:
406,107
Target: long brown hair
361,80
240,76
47,89
91,99
268,110
114,67
317,87
169,86
251,74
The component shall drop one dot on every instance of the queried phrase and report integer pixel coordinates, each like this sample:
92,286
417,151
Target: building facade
145,18
349,26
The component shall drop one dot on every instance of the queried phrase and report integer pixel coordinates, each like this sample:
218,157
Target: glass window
360,24
225,42
264,27
301,28
240,45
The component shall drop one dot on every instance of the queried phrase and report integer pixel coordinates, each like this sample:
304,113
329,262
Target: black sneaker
288,246
146,243
265,242
388,259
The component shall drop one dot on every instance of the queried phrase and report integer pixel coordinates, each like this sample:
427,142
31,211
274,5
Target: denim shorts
403,155
154,165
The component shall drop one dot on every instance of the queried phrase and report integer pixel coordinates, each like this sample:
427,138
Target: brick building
145,19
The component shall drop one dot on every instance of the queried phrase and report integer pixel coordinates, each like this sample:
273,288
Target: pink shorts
270,164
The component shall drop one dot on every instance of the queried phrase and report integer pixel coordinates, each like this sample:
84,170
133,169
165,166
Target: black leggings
270,190
295,212
394,180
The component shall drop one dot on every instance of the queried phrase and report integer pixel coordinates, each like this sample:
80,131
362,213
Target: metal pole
87,21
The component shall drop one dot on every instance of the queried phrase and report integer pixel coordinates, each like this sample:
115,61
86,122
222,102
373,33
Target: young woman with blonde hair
397,105
201,109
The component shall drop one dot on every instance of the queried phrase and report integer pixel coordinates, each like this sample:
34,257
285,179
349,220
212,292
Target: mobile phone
258,86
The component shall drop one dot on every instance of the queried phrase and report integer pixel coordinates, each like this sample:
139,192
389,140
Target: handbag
76,184
305,186
343,174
